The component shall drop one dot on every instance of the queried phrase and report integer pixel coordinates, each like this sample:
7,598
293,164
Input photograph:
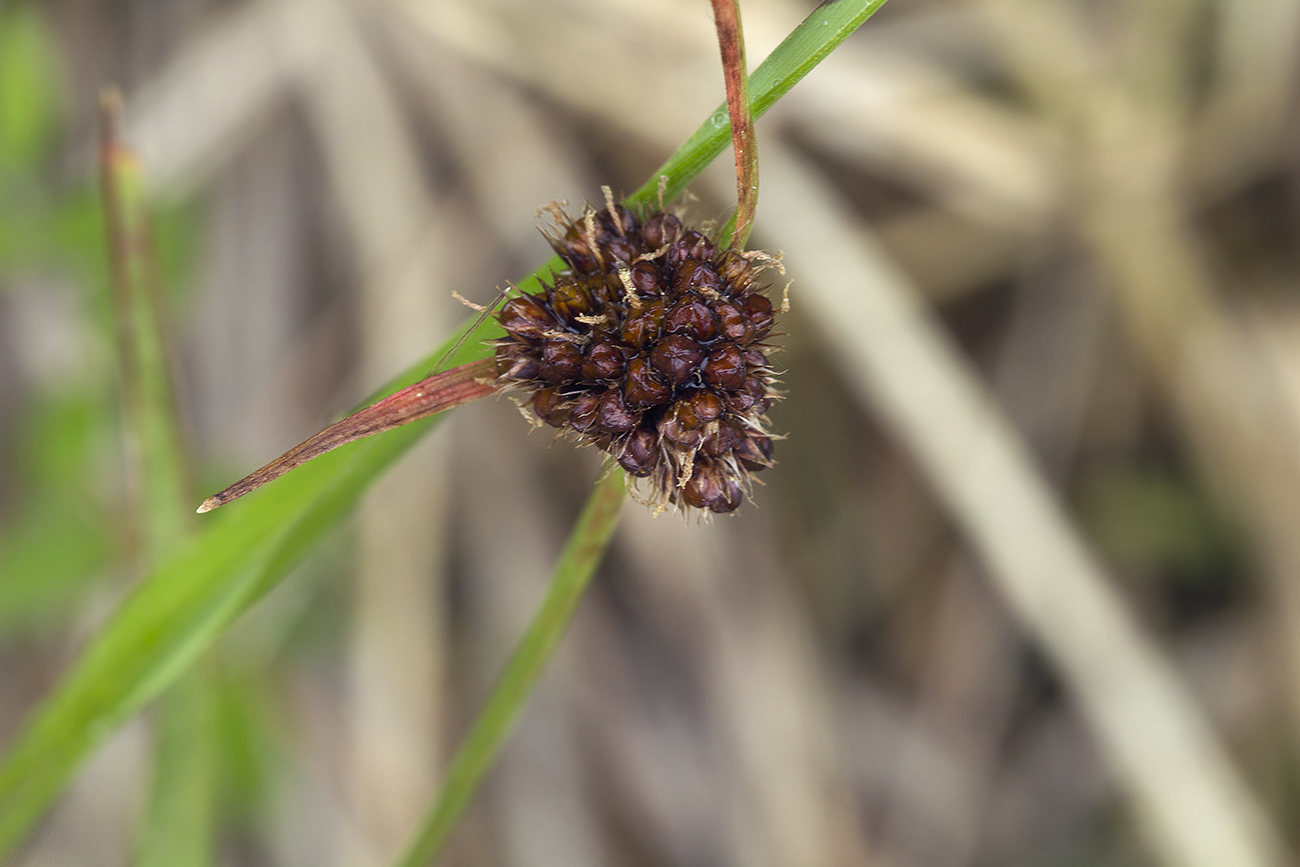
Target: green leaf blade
573,571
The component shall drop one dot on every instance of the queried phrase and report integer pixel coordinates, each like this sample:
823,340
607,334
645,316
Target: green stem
177,829
479,751
158,473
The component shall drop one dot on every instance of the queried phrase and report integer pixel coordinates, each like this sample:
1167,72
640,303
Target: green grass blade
141,329
805,47
243,551
179,825
573,572
185,605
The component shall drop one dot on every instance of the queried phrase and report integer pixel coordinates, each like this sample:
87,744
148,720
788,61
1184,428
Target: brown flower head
650,345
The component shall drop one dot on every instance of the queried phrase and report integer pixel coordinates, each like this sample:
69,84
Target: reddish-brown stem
731,41
430,395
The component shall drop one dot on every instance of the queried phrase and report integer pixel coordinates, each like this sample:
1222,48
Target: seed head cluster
650,346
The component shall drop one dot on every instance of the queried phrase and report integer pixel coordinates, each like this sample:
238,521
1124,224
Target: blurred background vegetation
1093,203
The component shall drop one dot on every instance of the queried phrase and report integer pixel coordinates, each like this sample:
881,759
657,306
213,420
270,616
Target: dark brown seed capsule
622,250
699,408
695,276
757,384
649,347
725,368
744,404
525,318
692,317
614,415
640,452
603,360
551,407
724,440
675,428
691,245
585,412
643,324
732,324
571,300
676,357
660,229
575,249
643,386
646,280
712,487
561,361
758,310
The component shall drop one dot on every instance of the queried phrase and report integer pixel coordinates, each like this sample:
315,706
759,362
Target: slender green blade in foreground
179,824
179,611
246,549
573,572
805,47
178,828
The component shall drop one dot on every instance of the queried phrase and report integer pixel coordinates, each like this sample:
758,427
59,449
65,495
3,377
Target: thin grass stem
577,563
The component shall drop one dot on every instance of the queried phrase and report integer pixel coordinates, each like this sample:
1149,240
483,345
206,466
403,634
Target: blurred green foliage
53,539
61,532
30,90
1158,525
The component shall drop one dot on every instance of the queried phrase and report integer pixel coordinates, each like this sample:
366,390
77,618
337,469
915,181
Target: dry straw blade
1193,805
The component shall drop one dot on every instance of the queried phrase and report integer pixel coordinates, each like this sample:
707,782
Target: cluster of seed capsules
650,346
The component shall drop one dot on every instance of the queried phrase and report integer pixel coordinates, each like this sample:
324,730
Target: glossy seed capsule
643,324
696,276
643,386
526,318
551,407
725,368
639,454
692,317
561,361
732,323
661,229
613,414
676,357
603,360
712,487
646,279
